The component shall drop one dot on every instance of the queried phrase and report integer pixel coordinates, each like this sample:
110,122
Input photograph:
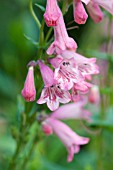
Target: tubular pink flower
62,40
80,88
83,86
94,11
52,13
87,66
106,4
80,15
94,95
72,111
52,94
67,75
29,92
47,74
69,138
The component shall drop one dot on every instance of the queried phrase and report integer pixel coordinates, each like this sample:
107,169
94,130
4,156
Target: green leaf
20,107
8,86
107,122
106,90
41,7
31,40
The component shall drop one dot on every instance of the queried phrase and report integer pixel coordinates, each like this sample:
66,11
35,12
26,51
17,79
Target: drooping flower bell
87,66
106,4
94,11
62,40
73,111
51,93
69,138
80,15
29,91
52,13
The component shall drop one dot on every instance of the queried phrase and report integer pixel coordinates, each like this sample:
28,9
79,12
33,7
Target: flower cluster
93,8
70,75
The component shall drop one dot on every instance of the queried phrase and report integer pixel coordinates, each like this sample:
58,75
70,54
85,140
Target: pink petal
53,104
94,11
106,4
72,111
80,15
52,13
47,74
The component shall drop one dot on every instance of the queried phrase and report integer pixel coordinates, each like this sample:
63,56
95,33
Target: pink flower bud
29,92
80,15
46,128
52,13
106,4
94,11
94,95
62,40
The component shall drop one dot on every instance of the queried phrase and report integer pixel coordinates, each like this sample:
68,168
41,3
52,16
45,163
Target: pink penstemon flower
73,111
80,88
87,66
66,72
106,4
52,13
62,40
94,11
52,124
69,138
29,91
80,15
51,93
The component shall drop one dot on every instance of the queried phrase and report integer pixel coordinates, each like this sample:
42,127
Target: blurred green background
16,51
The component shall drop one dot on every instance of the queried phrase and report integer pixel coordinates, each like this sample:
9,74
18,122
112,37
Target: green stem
48,34
29,154
12,165
33,14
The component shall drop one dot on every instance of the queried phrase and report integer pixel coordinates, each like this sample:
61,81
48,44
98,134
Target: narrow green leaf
31,40
41,7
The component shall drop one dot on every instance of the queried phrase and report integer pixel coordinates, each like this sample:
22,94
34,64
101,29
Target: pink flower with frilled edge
67,74
94,11
94,95
52,94
80,88
87,66
29,92
62,40
83,86
73,111
106,4
80,15
52,13
69,138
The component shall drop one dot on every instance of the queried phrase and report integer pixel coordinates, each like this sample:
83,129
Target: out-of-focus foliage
17,32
